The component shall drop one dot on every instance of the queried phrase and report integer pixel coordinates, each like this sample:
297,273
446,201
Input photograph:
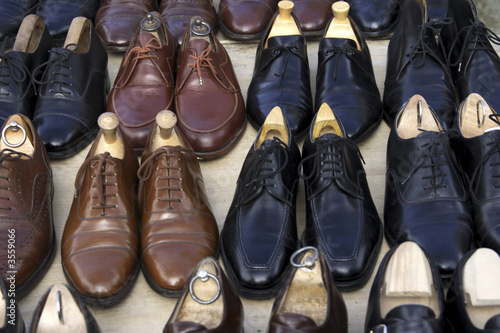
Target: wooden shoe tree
61,313
474,116
274,126
164,132
326,122
481,276
79,34
415,118
340,26
17,136
408,280
110,138
28,36
284,24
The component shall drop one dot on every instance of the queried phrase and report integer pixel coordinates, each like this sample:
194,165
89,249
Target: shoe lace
61,70
99,164
347,50
8,155
277,51
204,61
144,52
476,38
168,173
8,64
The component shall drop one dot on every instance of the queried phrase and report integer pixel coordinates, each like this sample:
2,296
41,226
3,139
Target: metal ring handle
309,262
14,126
419,113
203,275
480,120
198,25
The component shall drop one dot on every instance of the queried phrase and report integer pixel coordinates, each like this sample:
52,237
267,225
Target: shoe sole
206,156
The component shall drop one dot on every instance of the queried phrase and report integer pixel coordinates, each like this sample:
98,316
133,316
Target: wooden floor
145,311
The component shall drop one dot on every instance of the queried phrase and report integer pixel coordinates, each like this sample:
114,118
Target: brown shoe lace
8,155
146,51
203,61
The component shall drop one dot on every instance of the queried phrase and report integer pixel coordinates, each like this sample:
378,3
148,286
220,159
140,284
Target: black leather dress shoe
375,19
342,221
418,306
417,65
73,91
12,318
58,14
475,64
281,78
345,81
12,13
260,231
426,199
31,48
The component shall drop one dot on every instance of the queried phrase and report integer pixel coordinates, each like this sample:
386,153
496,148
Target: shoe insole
326,122
340,26
28,36
284,24
473,116
165,132
14,135
79,34
111,138
274,126
415,118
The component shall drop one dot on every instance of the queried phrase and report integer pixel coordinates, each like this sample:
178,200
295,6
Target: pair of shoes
260,231
206,93
101,251
281,75
117,21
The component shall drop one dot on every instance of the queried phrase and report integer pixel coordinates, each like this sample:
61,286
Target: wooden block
340,26
110,139
79,34
326,122
482,278
29,34
274,126
284,24
415,118
15,138
165,133
474,116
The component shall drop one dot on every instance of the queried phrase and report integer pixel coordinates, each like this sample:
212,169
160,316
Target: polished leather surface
437,9
17,92
416,65
11,325
313,15
281,78
457,304
178,228
232,317
341,218
426,199
117,21
335,318
12,13
144,84
100,243
245,19
375,19
406,318
208,100
72,96
58,14
346,82
260,230
177,15
28,187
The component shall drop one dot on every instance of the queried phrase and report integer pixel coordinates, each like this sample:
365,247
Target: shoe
426,200
473,298
31,48
145,81
417,65
437,9
341,219
474,62
61,310
177,15
313,15
260,230
281,74
375,19
72,92
476,142
117,21
247,19
309,301
100,243
406,295
59,14
208,100
12,14
12,318
208,303
26,193
178,228
345,79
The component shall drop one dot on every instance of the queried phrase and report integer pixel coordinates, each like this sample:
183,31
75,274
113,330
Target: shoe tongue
411,312
339,42
493,323
199,44
284,40
144,37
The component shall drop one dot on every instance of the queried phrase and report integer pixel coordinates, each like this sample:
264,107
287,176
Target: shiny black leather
17,91
342,221
72,96
417,65
437,9
407,318
260,230
426,198
345,81
12,13
474,62
58,14
375,19
281,78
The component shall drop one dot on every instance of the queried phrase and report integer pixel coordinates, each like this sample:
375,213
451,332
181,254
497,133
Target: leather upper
375,18
246,19
12,13
313,15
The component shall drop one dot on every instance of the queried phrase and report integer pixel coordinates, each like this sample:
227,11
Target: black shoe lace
8,155
60,69
8,67
332,51
168,173
277,51
476,38
105,188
